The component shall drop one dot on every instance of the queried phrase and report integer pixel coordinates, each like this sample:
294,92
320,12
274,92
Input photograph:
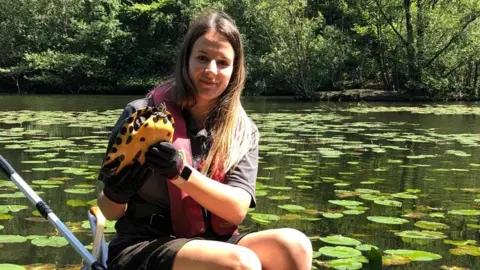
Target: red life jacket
187,215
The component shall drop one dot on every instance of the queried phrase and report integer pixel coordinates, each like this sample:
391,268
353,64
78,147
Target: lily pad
387,220
279,197
428,225
340,252
77,203
332,215
340,240
366,247
414,255
437,215
4,209
292,207
79,190
466,250
17,194
353,212
465,212
52,241
345,264
263,218
388,203
395,260
405,196
12,239
430,235
345,202
8,266
47,182
460,243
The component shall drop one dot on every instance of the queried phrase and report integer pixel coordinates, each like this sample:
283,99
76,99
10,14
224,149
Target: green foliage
292,47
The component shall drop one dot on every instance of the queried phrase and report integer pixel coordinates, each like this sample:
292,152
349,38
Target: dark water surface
310,153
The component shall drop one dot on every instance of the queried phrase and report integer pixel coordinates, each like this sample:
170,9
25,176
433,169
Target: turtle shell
144,128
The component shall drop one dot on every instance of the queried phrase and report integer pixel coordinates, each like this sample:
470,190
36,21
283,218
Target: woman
184,214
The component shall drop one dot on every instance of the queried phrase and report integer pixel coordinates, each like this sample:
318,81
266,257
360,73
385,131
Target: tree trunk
468,77
420,32
380,58
395,79
475,78
413,71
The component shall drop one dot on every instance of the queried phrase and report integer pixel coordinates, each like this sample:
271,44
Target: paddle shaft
48,214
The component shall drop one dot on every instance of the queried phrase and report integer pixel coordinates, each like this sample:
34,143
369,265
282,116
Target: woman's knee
295,241
207,255
244,259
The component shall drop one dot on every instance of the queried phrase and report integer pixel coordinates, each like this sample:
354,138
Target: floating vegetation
345,202
292,207
347,263
263,218
429,225
387,220
79,190
427,235
466,250
388,203
4,209
48,241
9,266
404,195
460,243
351,169
340,240
466,212
12,239
340,252
332,215
414,255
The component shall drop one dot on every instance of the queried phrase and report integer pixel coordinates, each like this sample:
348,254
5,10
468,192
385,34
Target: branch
472,18
390,23
462,63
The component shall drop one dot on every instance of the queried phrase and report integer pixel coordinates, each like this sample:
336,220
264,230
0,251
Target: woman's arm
231,200
110,209
227,202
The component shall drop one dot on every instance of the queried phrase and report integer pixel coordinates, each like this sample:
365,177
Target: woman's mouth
207,82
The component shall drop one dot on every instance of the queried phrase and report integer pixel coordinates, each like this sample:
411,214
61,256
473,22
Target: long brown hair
232,131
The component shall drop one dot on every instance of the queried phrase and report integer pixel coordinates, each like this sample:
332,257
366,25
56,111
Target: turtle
144,128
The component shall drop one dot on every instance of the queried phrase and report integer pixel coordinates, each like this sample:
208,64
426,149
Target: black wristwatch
186,172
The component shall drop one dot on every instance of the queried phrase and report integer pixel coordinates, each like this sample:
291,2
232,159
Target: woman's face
210,66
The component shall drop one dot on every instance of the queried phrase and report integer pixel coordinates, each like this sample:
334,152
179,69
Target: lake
400,177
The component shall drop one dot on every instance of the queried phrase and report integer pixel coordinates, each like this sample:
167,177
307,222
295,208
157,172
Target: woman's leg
280,249
215,255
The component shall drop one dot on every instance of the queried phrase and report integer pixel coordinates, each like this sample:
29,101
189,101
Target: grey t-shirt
153,197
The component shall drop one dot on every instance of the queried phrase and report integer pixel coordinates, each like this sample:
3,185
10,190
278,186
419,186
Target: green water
310,153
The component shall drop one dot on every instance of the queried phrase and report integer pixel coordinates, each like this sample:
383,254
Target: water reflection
310,153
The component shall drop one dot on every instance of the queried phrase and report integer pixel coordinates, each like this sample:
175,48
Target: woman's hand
124,184
165,159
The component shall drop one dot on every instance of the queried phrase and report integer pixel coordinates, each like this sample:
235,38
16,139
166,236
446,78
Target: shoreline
386,95
350,95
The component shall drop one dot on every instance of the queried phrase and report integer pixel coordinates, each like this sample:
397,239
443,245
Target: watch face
186,172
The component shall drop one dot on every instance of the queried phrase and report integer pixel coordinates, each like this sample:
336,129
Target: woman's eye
202,58
223,63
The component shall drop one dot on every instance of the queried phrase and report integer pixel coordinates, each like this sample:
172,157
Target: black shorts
148,254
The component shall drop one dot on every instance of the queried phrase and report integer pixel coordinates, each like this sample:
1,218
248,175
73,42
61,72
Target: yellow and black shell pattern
144,128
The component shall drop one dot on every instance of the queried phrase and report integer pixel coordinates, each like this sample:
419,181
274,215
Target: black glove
165,159
121,186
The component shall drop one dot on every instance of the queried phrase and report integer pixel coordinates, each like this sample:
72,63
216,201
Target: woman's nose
211,68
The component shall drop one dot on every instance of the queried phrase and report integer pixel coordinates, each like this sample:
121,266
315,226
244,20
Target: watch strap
186,172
